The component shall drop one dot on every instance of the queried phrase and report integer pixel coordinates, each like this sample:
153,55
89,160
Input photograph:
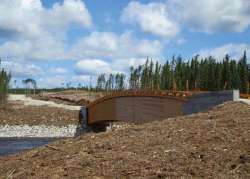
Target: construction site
154,138
131,89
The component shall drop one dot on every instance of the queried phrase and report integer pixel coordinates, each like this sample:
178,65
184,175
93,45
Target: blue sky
60,41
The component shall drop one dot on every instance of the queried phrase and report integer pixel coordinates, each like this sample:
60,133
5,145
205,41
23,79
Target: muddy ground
19,114
215,144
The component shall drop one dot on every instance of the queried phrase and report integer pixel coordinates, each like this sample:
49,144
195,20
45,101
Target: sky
73,41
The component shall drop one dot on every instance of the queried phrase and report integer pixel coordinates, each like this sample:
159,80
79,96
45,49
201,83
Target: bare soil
215,144
69,97
19,114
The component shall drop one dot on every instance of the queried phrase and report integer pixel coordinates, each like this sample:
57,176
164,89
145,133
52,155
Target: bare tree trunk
187,85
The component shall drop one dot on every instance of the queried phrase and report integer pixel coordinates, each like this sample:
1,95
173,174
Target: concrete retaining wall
39,131
204,101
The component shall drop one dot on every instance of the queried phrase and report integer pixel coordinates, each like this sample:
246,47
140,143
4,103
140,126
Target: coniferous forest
206,74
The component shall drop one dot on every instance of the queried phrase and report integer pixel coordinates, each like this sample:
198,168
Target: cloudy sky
60,41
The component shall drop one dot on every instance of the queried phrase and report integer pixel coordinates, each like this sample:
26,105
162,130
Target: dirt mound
215,144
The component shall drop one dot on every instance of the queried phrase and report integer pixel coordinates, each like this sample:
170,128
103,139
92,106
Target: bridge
145,106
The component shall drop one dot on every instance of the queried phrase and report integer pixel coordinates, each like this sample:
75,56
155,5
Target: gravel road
28,101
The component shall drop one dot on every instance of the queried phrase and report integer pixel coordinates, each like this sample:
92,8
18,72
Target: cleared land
70,97
205,145
22,110
28,101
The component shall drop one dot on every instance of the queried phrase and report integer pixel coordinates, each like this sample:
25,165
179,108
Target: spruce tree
194,73
235,79
243,73
211,85
165,83
156,81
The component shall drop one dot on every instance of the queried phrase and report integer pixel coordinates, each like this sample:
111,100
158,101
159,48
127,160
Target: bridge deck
136,106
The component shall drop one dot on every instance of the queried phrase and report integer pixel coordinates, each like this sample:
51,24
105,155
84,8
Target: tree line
112,82
178,74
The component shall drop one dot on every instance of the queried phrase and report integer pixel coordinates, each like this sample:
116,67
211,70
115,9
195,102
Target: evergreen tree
218,76
4,84
178,74
165,83
151,75
132,78
203,70
145,75
243,73
235,79
194,73
157,78
110,83
226,76
101,81
119,81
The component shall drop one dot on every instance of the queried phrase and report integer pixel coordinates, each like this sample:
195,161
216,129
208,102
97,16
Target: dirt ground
215,144
19,114
69,97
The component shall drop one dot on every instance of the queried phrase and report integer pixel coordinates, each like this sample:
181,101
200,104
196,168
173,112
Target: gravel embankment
38,131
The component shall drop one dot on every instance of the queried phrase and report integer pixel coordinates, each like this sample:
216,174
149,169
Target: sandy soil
246,101
37,115
22,110
215,144
69,97
28,101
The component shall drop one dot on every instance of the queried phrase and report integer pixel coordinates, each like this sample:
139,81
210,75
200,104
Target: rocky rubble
38,131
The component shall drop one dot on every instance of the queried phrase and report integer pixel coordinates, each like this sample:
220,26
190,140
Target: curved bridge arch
136,106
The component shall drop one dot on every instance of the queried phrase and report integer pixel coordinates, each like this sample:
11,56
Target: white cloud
27,36
71,11
34,32
110,45
31,32
52,81
58,70
30,19
92,67
212,15
45,38
164,19
83,79
44,48
234,50
180,41
123,65
22,70
152,18
96,67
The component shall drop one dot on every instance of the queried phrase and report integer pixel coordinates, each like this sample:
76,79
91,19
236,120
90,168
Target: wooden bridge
145,106
135,106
